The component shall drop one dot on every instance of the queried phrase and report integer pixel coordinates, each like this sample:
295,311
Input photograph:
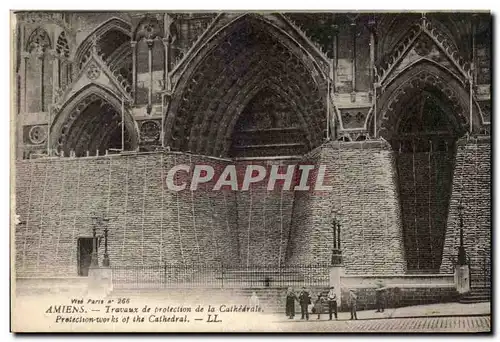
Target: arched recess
64,76
265,123
149,57
107,37
91,120
442,84
38,71
423,113
211,90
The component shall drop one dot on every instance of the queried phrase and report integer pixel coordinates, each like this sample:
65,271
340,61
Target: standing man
379,296
304,300
291,297
254,300
353,303
331,298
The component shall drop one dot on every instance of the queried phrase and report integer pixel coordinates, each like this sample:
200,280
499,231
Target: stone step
472,301
477,295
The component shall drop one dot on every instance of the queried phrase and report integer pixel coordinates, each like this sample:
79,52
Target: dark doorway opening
84,256
425,141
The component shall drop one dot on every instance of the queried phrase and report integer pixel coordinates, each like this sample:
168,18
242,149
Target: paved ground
442,309
444,317
408,325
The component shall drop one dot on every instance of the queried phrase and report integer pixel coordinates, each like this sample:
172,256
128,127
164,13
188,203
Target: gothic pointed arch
423,111
148,28
39,71
108,37
91,120
38,40
62,46
64,73
266,123
429,78
211,90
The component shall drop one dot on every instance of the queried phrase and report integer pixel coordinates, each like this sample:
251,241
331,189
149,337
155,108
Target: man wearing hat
331,299
353,303
304,300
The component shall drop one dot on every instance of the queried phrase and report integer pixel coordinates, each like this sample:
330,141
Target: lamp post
105,260
93,258
336,251
99,221
462,255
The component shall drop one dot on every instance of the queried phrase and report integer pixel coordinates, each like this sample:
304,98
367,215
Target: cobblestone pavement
420,324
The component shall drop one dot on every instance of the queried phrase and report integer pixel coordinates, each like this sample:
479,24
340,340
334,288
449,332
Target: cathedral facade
396,105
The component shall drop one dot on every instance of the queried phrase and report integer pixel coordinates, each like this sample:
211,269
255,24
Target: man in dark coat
379,296
291,297
304,300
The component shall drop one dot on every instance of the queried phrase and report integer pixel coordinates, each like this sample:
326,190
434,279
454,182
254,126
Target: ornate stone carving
353,117
150,131
222,74
38,42
148,29
93,72
423,46
62,47
58,95
44,17
37,134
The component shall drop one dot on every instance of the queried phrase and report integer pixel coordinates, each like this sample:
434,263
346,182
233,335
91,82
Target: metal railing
480,272
218,276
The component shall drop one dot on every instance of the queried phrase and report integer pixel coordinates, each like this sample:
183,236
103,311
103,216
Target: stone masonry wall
365,195
472,186
148,225
264,218
303,217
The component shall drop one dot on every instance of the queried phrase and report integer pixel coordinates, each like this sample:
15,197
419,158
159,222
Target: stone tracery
89,122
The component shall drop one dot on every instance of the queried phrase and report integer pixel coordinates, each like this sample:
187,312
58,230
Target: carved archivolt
104,102
422,36
205,107
440,83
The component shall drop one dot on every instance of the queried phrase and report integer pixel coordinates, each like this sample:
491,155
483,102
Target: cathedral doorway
422,114
84,253
91,124
425,146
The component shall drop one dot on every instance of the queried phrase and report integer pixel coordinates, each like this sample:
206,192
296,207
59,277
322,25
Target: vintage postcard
286,171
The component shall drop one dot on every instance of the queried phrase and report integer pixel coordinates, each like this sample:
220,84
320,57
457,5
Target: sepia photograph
251,171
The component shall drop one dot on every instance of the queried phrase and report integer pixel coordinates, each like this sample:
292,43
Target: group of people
304,299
